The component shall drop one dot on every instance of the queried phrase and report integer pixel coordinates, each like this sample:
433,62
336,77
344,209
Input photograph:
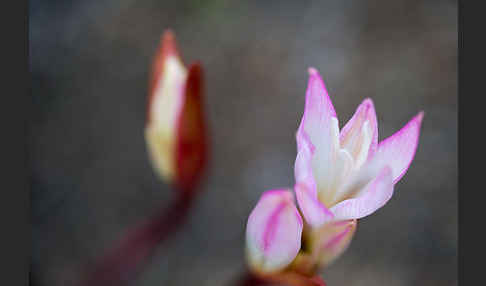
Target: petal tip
399,149
368,102
169,46
283,193
168,34
419,117
317,95
312,71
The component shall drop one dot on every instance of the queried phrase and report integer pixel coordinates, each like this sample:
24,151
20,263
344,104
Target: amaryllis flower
347,174
175,131
341,176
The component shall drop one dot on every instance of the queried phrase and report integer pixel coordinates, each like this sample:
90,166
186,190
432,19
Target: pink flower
175,131
341,176
347,174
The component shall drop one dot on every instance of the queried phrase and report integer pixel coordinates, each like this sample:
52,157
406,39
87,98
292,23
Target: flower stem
248,279
121,264
285,278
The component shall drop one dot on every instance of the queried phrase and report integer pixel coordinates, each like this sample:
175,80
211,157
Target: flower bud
331,240
273,232
175,131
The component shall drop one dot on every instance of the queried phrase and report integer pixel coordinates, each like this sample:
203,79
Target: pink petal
314,212
303,162
332,240
318,105
398,150
316,124
273,232
351,132
372,197
317,143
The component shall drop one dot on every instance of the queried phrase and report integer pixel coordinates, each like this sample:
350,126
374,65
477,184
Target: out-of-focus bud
329,241
273,232
175,131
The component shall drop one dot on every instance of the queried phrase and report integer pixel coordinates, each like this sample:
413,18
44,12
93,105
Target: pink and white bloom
346,174
273,232
341,176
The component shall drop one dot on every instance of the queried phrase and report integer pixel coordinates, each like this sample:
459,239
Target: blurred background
91,177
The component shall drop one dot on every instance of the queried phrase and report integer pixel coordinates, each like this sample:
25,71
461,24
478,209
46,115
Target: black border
471,66
15,202
460,131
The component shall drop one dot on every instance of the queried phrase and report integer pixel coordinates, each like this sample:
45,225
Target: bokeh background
91,178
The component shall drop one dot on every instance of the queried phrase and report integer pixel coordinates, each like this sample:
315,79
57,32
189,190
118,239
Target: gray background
91,179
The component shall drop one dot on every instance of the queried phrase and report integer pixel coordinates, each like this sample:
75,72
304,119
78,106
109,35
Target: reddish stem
286,278
122,263
248,279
